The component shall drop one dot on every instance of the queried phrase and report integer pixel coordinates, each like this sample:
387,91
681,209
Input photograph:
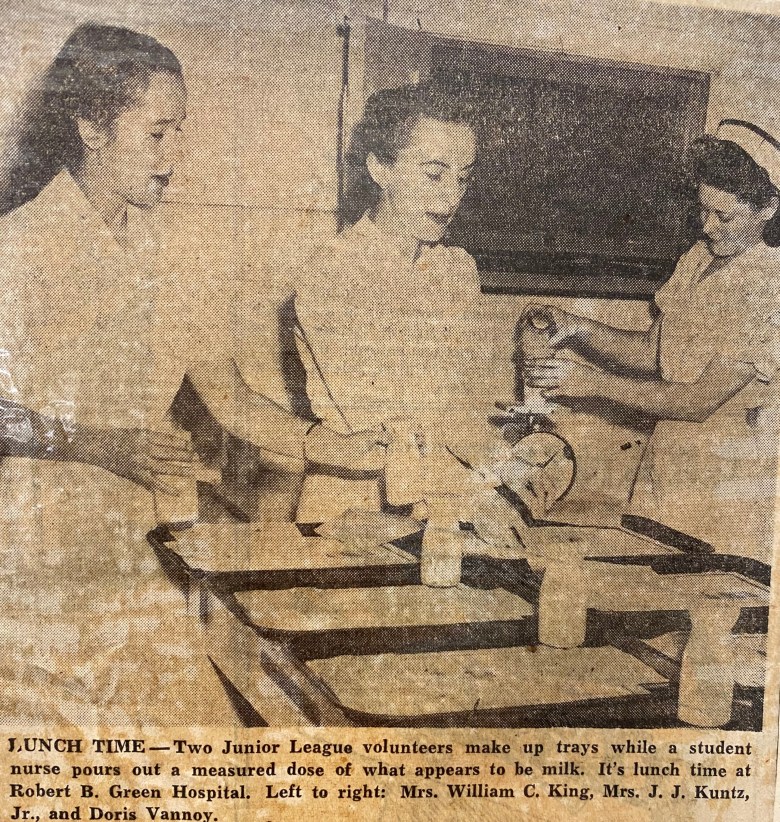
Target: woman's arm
635,351
144,457
694,402
281,435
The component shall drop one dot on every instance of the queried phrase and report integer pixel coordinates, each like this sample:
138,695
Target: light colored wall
257,188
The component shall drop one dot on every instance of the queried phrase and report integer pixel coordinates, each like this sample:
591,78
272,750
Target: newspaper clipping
389,409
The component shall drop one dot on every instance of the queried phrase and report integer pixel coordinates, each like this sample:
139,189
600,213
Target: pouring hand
561,325
560,378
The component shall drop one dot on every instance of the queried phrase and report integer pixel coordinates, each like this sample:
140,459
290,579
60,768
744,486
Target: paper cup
562,608
440,558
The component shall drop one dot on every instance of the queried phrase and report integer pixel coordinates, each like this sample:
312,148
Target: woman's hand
561,378
497,523
538,486
406,432
562,325
144,457
363,451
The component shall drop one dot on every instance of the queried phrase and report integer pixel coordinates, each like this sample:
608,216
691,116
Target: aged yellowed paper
388,410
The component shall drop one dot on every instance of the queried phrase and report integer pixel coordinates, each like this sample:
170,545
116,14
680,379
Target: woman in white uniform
707,368
97,329
388,317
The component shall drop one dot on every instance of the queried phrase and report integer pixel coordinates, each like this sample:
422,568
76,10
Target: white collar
367,230
63,200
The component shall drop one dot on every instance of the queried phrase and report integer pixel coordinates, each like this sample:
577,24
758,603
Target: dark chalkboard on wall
581,187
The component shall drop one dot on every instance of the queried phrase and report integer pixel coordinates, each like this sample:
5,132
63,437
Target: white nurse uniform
716,480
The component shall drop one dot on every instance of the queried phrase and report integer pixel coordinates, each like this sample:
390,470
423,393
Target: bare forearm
285,440
635,351
693,402
246,414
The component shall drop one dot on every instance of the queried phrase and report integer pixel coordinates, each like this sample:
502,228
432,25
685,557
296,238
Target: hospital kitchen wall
257,185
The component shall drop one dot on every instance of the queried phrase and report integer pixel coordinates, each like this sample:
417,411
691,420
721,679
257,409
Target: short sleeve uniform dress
716,480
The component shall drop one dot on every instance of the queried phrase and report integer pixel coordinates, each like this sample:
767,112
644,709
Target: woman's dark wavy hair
728,167
389,118
99,72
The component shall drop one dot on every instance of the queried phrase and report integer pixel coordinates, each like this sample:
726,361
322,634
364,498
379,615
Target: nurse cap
754,141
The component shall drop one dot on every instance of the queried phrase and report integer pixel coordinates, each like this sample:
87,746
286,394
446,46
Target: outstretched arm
633,351
278,433
694,402
144,457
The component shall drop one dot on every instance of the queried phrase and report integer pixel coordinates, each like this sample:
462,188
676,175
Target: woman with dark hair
388,316
707,368
95,77
98,327
90,369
